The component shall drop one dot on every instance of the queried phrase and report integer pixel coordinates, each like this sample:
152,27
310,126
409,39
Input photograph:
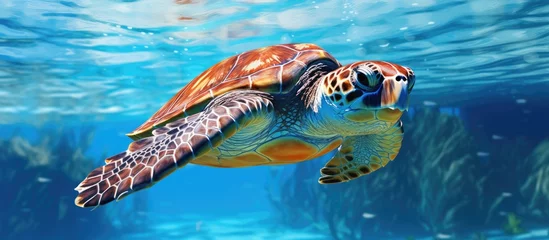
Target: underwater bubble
521,101
506,194
403,28
431,23
483,154
429,103
443,236
368,215
43,180
384,45
497,137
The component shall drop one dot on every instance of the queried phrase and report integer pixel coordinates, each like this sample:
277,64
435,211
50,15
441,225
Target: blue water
110,64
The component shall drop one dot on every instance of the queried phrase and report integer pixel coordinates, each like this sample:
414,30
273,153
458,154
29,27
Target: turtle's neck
309,84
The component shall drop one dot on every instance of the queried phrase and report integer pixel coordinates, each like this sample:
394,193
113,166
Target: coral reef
38,181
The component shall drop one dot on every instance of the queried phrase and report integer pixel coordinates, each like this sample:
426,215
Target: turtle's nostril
400,78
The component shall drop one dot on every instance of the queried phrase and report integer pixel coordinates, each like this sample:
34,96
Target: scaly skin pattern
150,159
296,133
353,109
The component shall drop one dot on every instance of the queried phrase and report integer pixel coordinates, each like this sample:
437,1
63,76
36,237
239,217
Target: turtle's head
369,91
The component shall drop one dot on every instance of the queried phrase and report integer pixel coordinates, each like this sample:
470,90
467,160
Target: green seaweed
440,167
536,187
38,179
513,225
429,176
436,183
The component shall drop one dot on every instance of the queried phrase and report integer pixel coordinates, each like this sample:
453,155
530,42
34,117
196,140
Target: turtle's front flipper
361,155
150,159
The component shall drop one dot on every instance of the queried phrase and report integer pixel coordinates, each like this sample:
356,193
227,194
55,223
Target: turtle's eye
368,79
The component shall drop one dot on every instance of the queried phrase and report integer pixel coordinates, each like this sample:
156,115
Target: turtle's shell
273,69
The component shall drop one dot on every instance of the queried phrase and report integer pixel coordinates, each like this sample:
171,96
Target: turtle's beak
394,94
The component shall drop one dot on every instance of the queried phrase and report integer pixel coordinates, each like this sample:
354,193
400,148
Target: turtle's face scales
369,91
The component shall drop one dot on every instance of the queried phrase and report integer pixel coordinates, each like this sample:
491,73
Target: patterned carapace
270,106
269,69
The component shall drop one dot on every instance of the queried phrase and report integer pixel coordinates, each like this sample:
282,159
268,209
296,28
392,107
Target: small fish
502,213
384,45
497,137
198,225
25,209
368,215
521,101
429,103
43,180
443,236
506,194
483,154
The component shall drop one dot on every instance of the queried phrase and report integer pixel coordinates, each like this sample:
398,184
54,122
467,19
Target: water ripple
126,58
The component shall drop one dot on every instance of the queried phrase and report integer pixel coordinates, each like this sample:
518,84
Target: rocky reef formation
38,179
446,181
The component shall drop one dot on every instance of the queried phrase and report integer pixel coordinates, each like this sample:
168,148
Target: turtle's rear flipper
361,155
150,159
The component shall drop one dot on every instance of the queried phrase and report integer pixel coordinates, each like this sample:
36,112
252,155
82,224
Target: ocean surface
76,76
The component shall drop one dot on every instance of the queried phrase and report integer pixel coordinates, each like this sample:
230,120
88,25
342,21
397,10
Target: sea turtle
274,105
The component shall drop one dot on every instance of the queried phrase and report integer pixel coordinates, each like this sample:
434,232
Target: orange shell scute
271,69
